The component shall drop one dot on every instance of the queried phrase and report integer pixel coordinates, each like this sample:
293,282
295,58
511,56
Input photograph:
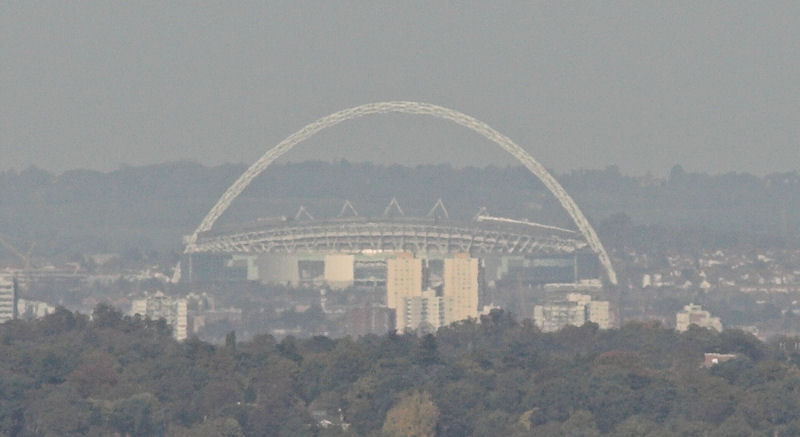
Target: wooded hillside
68,374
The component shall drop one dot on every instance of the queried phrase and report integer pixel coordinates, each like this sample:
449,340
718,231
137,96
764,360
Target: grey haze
644,85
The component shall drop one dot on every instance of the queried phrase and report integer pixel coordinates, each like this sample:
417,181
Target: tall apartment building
695,315
460,290
403,279
576,310
159,306
8,299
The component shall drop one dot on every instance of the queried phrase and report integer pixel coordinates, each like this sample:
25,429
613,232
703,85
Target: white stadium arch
417,108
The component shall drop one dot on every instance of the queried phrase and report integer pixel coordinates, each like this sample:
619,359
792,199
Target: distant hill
152,207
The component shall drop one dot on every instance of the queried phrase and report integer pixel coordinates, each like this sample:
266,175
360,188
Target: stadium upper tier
382,234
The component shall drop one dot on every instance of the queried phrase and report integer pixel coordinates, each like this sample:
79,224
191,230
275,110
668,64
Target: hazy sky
714,86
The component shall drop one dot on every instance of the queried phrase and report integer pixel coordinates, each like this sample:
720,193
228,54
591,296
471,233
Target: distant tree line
150,207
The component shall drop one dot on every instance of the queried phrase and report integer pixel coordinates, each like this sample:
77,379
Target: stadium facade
357,251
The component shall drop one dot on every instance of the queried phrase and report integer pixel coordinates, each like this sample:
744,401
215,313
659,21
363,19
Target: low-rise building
576,310
159,306
367,320
695,315
555,316
33,309
425,313
712,359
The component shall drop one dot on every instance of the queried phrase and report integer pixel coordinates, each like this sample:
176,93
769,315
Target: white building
576,310
424,313
159,306
33,309
8,299
600,313
339,270
695,315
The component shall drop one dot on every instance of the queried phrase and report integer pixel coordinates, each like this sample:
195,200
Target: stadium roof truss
385,236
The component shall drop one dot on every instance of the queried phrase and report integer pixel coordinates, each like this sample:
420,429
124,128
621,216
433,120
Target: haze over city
711,86
344,219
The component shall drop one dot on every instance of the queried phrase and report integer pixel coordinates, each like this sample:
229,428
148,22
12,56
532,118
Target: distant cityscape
356,296
352,274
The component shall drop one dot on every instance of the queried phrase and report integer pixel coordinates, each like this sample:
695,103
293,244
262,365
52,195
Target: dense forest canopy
69,374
